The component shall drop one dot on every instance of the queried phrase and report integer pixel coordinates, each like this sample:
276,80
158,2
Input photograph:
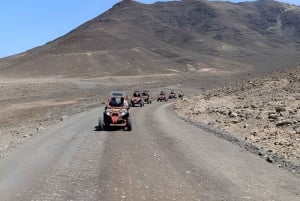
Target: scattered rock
254,106
261,152
269,159
273,116
235,121
283,123
63,118
258,117
254,133
232,114
280,109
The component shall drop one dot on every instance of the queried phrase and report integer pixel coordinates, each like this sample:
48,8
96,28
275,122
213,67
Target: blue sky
25,24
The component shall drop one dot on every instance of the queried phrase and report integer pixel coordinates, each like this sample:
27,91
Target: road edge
267,155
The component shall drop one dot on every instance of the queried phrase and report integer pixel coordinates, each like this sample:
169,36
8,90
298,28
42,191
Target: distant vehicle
172,95
137,99
146,96
162,96
116,113
180,95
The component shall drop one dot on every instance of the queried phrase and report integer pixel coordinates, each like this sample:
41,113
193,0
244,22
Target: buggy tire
100,126
129,124
106,127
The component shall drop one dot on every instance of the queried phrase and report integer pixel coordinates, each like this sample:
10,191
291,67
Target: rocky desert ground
29,107
263,114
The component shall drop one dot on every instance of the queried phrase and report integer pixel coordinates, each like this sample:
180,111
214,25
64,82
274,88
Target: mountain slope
135,39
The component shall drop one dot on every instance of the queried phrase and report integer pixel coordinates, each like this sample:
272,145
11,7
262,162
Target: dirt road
163,158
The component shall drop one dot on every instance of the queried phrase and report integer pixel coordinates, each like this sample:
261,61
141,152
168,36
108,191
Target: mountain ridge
133,38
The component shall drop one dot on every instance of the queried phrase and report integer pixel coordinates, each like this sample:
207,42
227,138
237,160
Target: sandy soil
264,112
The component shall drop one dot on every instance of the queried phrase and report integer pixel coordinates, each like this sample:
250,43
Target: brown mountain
166,37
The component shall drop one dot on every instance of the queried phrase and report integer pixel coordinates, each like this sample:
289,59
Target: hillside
261,115
166,37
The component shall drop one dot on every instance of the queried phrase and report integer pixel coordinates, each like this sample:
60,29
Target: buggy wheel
106,127
100,126
129,124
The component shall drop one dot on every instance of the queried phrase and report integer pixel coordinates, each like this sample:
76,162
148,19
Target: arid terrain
264,112
52,153
28,108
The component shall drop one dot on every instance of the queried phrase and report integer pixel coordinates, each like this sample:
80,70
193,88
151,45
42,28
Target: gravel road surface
162,158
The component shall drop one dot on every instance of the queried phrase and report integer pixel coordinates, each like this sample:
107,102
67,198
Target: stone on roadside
269,159
262,152
254,106
273,116
235,121
63,118
280,109
283,123
232,114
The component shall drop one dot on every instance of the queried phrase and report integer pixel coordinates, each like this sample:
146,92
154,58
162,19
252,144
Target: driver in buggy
136,94
145,93
113,102
121,103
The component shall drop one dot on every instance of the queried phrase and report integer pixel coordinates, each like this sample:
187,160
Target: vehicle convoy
146,96
162,97
172,95
116,113
137,99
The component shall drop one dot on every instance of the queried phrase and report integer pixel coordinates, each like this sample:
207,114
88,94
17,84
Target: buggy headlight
123,112
107,112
